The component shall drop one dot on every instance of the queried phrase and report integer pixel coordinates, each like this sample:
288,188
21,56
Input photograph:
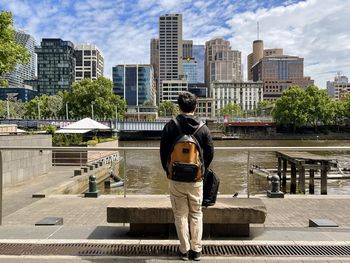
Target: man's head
187,102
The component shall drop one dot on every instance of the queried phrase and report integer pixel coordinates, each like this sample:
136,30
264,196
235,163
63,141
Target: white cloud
317,30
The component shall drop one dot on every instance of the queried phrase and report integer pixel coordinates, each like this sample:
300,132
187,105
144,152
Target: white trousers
186,201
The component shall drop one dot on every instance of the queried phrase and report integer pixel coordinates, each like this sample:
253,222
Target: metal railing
248,150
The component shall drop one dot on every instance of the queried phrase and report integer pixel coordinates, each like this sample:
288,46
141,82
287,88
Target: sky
317,30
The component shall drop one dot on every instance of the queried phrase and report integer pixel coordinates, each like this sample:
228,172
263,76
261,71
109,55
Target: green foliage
49,106
230,110
167,108
67,139
11,52
264,108
99,93
16,109
346,105
92,142
298,107
319,108
291,109
50,129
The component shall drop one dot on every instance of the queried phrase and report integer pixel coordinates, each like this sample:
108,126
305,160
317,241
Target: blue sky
317,30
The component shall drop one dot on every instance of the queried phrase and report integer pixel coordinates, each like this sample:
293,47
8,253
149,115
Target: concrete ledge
229,217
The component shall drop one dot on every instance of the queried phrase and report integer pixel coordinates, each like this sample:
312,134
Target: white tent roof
83,126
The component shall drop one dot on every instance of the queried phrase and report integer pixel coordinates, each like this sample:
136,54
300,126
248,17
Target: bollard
93,192
275,187
92,184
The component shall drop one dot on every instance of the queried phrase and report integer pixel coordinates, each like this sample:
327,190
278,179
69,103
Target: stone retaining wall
19,165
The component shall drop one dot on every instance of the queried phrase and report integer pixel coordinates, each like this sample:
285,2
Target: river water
145,174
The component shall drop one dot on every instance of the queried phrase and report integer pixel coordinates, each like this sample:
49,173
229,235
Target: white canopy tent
84,126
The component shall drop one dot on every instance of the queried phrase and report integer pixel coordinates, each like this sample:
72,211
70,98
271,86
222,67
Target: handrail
124,149
239,148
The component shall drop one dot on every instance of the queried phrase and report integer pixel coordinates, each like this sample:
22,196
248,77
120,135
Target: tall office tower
190,70
16,77
154,59
278,73
258,53
56,64
134,83
339,88
187,49
89,62
170,48
221,63
199,54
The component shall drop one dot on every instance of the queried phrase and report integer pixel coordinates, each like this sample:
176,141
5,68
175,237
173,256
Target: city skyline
314,30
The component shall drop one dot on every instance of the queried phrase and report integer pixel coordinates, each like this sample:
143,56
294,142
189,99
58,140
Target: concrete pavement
84,220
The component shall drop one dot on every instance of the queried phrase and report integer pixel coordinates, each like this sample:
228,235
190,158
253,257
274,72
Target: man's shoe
196,256
183,256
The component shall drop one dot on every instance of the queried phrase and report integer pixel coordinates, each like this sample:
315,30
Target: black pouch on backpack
210,188
184,172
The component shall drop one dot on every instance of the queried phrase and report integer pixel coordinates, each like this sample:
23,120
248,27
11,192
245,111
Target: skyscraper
16,77
221,63
89,62
170,47
154,53
187,49
134,83
199,54
278,73
258,53
56,64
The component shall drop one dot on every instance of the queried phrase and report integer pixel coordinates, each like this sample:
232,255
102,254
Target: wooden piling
312,181
293,179
301,182
284,178
324,180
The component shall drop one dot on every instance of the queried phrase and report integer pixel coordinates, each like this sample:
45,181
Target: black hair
187,101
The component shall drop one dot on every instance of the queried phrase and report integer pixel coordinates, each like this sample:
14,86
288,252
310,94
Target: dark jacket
188,124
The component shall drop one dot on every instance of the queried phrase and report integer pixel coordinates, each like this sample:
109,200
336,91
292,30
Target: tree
264,108
11,52
319,107
339,112
16,109
85,96
230,110
346,104
167,108
290,108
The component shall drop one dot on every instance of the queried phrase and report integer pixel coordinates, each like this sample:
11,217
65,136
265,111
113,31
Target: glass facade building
190,71
20,94
199,55
134,83
56,64
24,72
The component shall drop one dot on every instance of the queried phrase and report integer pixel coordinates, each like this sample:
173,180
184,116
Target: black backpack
210,188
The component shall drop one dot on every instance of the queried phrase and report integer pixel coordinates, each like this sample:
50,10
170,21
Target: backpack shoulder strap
201,124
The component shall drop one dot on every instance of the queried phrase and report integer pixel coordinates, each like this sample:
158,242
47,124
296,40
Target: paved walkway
85,220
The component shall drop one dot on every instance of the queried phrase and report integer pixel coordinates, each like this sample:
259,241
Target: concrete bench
152,215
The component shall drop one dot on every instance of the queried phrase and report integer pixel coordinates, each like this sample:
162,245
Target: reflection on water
146,176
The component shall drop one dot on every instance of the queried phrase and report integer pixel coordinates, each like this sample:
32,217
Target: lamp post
38,107
92,110
67,111
8,107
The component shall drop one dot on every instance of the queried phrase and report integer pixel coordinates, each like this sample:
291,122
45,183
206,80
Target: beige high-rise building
187,49
170,47
154,59
89,62
221,62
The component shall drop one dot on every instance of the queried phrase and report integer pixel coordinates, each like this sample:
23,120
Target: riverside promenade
84,221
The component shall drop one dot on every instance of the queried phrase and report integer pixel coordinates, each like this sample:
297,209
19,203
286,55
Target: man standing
186,197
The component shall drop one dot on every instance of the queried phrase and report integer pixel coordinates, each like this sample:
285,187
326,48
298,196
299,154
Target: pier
300,162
